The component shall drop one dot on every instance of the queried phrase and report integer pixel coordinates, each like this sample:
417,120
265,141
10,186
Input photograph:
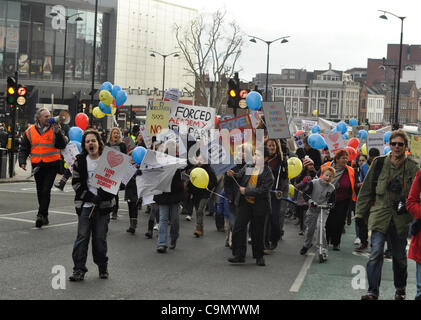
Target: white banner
334,142
195,120
112,167
375,140
146,137
69,154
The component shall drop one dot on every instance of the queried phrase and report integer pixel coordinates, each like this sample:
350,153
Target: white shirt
92,165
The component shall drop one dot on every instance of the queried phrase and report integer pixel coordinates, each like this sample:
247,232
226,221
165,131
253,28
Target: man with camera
382,200
43,141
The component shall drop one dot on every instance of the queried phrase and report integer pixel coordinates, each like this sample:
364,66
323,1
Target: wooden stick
92,211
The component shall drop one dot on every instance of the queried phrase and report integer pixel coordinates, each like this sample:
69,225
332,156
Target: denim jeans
98,226
399,260
418,295
168,213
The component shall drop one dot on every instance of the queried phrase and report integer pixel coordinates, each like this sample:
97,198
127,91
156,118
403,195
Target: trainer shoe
400,294
39,222
361,248
237,259
77,276
156,227
369,296
161,249
357,241
188,218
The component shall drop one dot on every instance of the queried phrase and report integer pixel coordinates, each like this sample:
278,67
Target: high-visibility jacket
351,174
42,146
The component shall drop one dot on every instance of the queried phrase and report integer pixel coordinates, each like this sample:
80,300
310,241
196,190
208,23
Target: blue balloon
254,100
316,141
138,154
353,122
77,143
104,108
387,136
345,136
362,134
315,129
75,134
386,150
120,98
334,130
341,127
106,86
116,89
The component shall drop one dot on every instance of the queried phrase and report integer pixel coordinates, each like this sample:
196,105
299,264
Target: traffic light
233,94
11,91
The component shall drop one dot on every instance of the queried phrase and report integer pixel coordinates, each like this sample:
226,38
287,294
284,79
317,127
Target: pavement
20,175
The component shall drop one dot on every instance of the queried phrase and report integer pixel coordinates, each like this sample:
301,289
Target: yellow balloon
106,97
364,149
372,131
295,166
98,113
291,190
314,112
199,178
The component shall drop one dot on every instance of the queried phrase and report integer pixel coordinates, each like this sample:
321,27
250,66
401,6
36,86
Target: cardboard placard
69,154
276,120
375,140
157,117
334,142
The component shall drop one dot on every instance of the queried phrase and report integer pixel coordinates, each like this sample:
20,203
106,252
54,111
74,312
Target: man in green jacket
388,215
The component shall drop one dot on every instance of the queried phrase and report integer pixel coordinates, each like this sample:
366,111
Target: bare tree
211,50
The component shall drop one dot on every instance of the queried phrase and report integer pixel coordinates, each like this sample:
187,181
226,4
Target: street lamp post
383,16
175,54
253,39
93,60
66,18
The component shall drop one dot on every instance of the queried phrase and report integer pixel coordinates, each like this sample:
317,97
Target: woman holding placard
114,141
93,207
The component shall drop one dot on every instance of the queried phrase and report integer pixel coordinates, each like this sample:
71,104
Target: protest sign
172,95
168,135
375,140
307,125
69,154
194,120
334,142
130,145
254,118
157,117
146,137
299,140
112,167
415,146
130,173
276,120
217,156
242,135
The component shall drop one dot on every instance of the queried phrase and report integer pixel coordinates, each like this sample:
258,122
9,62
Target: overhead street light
175,55
253,39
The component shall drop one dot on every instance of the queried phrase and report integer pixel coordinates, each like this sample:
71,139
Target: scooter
322,255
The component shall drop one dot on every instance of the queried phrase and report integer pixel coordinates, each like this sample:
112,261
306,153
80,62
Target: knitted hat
307,161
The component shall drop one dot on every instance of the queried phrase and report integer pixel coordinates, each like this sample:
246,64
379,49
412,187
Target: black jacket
283,166
261,192
130,192
203,193
80,185
177,191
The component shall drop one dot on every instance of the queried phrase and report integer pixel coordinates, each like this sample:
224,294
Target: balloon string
217,194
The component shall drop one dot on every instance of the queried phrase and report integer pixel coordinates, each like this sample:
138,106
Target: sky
344,33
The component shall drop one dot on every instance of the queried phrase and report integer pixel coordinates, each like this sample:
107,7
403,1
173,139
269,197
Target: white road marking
15,213
303,272
56,225
17,219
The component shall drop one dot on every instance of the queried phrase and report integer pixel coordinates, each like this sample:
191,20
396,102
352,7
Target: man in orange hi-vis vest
42,141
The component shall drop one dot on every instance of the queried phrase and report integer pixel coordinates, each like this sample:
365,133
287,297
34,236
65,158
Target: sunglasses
400,144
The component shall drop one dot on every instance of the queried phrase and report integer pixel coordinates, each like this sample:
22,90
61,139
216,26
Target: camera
400,206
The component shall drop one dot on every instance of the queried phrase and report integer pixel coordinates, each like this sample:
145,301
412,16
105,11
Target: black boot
103,272
149,234
61,184
133,225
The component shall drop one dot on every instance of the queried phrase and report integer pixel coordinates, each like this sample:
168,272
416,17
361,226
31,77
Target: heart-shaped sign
334,136
114,159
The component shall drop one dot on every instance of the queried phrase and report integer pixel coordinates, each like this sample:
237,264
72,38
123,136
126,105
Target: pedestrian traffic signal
11,91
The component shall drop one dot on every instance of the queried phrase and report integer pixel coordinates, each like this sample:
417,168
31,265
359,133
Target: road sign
21,91
21,101
243,104
243,94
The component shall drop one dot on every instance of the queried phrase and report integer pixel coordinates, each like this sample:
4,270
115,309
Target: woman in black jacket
93,207
114,141
253,202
